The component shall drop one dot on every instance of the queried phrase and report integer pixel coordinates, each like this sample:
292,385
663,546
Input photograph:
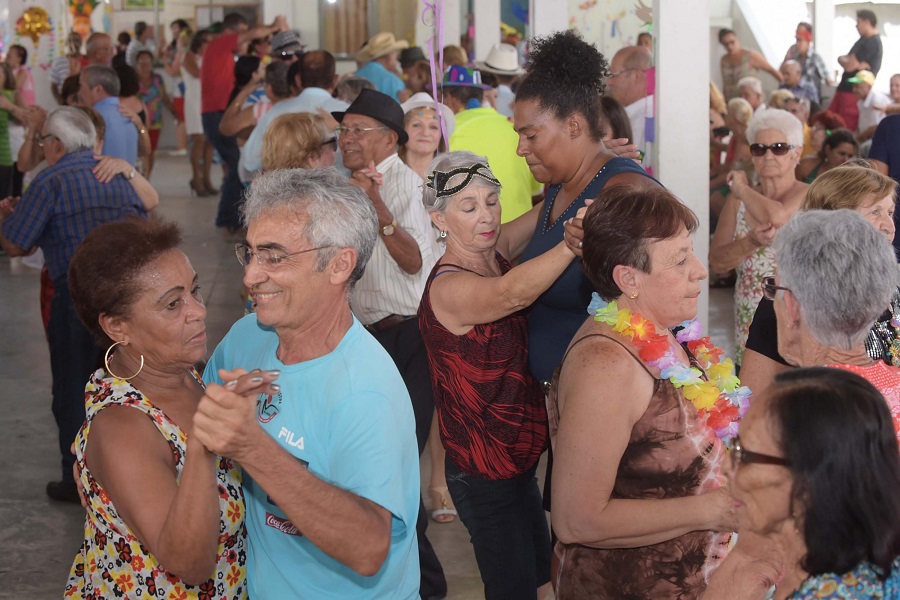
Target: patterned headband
438,180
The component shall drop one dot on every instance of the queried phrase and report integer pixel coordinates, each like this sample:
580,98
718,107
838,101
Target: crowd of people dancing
477,272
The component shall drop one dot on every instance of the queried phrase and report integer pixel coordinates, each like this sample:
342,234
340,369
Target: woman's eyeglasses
770,289
330,143
778,149
741,456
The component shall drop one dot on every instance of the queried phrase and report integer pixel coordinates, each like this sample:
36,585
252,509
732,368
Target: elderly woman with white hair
753,214
750,89
491,411
836,273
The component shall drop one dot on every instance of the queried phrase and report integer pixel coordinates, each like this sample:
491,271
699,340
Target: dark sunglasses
740,456
770,289
778,149
330,143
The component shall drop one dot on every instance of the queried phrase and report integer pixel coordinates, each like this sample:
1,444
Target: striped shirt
63,204
59,70
386,289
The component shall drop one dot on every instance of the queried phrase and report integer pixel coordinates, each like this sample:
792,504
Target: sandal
440,498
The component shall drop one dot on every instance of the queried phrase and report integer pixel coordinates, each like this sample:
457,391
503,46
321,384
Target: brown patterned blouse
670,454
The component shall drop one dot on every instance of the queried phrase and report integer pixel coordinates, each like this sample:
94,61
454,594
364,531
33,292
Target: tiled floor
39,537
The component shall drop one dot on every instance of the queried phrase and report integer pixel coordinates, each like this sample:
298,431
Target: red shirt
217,73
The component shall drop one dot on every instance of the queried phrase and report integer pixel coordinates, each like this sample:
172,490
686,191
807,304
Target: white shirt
638,112
135,46
386,289
871,110
505,98
309,100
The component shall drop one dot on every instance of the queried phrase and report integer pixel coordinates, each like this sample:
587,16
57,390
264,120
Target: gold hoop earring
110,371
633,295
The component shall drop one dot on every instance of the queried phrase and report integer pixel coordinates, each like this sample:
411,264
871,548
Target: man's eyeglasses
356,132
266,257
330,143
40,140
778,149
741,456
623,71
770,289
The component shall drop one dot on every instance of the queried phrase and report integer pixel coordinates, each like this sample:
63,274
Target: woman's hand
621,147
721,510
8,205
108,167
574,233
131,116
737,180
763,235
35,116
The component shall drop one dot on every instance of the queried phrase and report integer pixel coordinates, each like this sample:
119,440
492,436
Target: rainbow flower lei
721,401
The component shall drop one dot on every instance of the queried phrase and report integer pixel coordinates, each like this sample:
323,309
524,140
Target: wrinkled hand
8,205
753,566
722,510
35,116
280,23
225,421
131,116
622,147
763,235
573,233
76,473
737,180
108,167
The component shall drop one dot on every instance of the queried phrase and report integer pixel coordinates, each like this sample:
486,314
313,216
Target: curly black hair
566,75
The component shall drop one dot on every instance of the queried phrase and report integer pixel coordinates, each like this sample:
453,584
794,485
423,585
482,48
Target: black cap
411,56
380,107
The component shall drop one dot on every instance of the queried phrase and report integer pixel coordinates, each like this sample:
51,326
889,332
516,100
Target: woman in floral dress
753,214
165,516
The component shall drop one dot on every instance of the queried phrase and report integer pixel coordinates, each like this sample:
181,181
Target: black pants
232,191
74,355
404,343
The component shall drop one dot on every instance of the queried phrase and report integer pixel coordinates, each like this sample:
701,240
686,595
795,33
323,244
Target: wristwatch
389,229
131,175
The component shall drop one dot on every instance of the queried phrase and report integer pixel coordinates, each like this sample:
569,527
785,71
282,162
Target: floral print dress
112,562
748,289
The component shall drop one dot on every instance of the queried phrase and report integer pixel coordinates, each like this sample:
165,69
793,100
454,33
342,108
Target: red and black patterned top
491,411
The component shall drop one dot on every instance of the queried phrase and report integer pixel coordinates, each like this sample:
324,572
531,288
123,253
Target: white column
681,160
487,27
302,15
548,16
823,33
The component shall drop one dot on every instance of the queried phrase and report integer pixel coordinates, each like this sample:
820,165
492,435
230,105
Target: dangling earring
443,235
108,370
633,295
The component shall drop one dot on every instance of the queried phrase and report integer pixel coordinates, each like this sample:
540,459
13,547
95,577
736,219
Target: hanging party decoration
33,23
81,11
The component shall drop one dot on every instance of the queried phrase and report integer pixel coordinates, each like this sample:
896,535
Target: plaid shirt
63,204
812,67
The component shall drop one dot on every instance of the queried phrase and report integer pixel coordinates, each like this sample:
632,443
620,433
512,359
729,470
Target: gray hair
792,64
72,128
448,162
338,215
779,120
103,76
842,271
750,82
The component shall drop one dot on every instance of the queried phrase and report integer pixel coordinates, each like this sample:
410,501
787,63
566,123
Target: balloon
33,23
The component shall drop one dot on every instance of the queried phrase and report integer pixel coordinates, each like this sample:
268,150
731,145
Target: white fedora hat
503,59
423,100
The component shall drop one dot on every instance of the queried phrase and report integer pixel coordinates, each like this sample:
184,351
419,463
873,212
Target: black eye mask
438,179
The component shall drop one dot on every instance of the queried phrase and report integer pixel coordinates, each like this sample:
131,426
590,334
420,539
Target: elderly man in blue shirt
61,206
380,55
99,88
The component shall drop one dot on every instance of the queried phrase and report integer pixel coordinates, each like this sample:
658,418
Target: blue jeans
74,355
230,201
508,529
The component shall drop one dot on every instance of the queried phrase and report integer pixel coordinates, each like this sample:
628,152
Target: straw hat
503,59
379,45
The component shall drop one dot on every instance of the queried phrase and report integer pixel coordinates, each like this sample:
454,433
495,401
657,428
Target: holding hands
225,421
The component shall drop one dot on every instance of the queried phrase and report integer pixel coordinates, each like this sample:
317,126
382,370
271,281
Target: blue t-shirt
121,139
558,313
383,80
348,418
